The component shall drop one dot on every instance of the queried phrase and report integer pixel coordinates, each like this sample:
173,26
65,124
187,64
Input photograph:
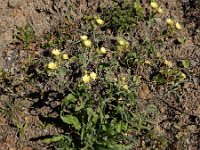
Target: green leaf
92,115
180,40
62,71
95,118
139,9
69,119
47,140
82,105
118,127
160,79
56,138
69,98
186,63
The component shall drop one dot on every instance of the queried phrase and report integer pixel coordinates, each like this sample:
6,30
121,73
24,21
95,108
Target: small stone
158,21
193,63
13,3
144,91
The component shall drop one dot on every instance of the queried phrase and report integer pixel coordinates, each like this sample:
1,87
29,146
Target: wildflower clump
170,21
156,7
122,45
172,25
86,42
52,66
122,42
89,77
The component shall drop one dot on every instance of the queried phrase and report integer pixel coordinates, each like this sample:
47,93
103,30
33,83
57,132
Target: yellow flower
178,26
122,42
123,78
99,21
93,75
52,66
56,52
86,78
83,37
125,87
87,43
154,5
182,75
160,10
65,56
147,62
170,21
103,50
158,54
168,63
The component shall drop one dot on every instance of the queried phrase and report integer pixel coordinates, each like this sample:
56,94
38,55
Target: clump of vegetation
97,76
123,16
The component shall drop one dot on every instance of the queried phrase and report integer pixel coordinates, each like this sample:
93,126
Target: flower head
125,87
168,63
147,62
84,37
86,78
87,43
65,56
178,26
56,52
122,42
182,75
52,65
99,21
154,5
103,50
170,21
93,75
160,10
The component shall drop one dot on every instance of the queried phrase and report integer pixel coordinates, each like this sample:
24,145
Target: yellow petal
160,10
52,66
125,87
83,37
56,52
168,63
65,56
154,5
86,78
178,26
183,75
87,43
99,21
103,50
93,75
170,21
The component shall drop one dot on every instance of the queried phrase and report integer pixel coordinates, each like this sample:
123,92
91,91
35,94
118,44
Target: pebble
14,3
